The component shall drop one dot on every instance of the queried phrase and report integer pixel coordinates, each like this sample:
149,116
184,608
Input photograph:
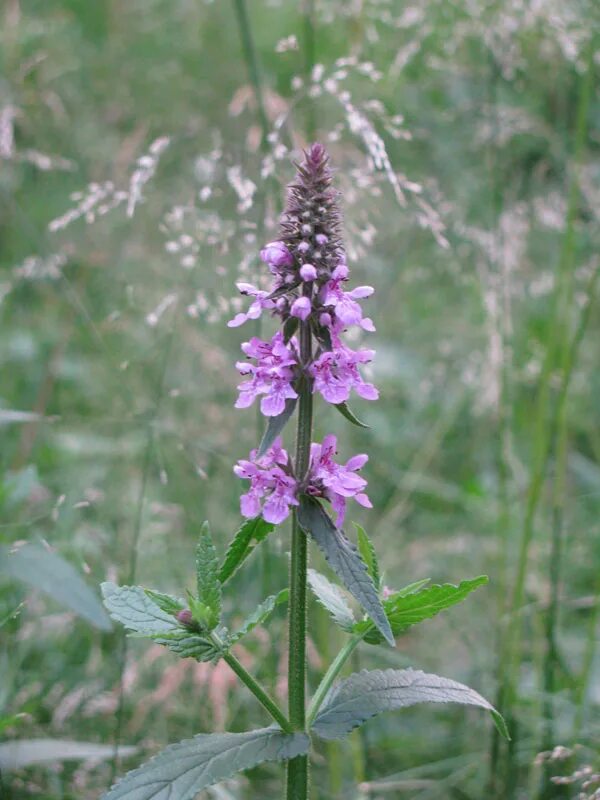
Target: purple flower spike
271,377
276,254
301,308
336,482
260,303
336,373
272,488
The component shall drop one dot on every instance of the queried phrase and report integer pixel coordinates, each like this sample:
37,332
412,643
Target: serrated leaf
345,411
259,615
344,559
404,610
368,693
208,584
369,556
275,425
251,533
133,608
167,603
412,587
332,599
182,770
50,573
188,644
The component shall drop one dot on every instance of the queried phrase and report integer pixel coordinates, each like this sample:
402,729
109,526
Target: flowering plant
306,356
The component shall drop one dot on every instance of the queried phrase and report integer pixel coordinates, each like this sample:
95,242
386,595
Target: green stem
263,698
252,66
297,768
334,670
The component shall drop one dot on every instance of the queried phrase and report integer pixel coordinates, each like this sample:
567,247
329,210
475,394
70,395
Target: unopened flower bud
301,308
277,255
185,618
325,319
308,272
321,238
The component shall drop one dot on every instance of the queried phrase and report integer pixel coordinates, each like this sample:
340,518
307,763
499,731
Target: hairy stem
297,768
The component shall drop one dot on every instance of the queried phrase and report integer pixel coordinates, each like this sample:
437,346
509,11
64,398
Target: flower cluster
271,377
273,487
309,274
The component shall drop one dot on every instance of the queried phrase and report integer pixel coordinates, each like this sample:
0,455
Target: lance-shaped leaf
368,554
404,610
275,425
251,533
332,599
166,602
344,559
48,572
366,694
345,411
208,607
182,770
260,614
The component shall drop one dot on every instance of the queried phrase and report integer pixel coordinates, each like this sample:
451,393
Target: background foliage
136,185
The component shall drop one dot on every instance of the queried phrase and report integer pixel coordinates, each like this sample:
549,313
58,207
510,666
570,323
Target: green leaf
133,608
208,608
332,599
350,416
251,533
412,587
182,770
366,694
167,603
188,644
369,556
259,615
275,425
344,559
404,610
45,570
290,326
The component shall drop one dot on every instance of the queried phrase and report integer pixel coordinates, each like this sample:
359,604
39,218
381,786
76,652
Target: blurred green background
144,151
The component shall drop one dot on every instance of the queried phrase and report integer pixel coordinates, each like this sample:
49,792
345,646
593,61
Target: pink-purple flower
335,374
336,482
346,310
272,488
256,308
271,377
